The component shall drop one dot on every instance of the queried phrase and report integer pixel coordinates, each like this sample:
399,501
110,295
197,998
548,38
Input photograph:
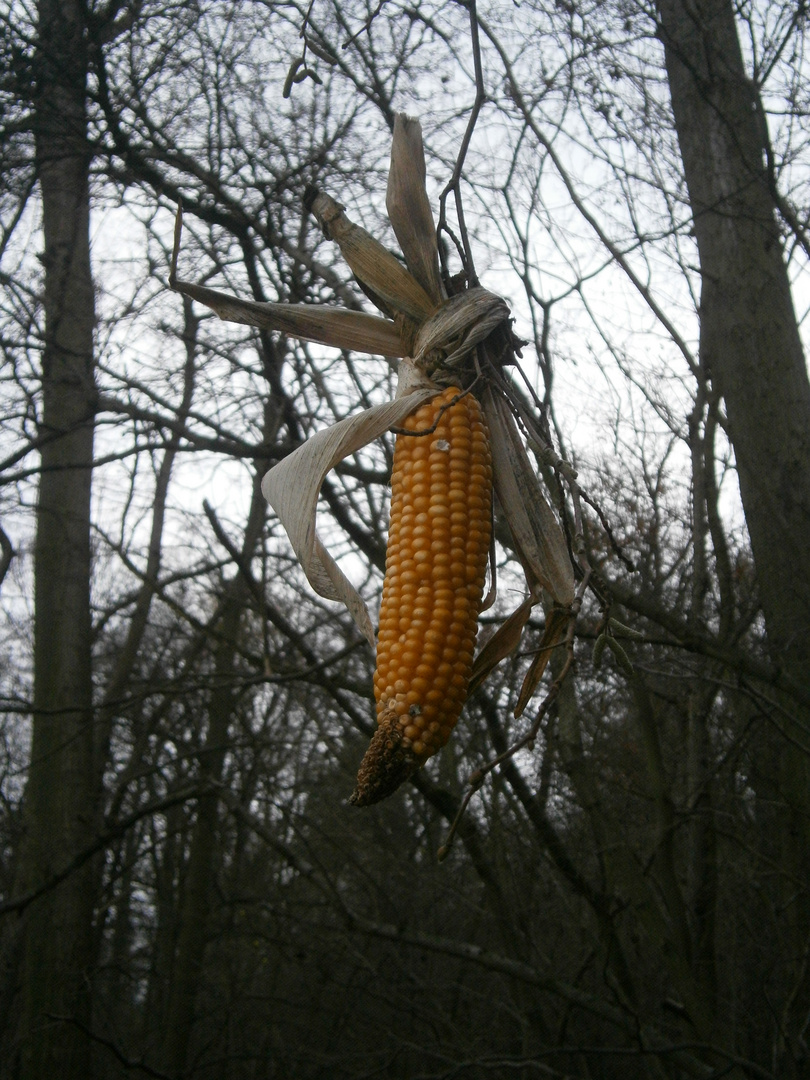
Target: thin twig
429,431
366,25
130,1064
178,232
454,183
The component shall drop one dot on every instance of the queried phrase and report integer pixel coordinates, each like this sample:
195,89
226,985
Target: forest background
185,890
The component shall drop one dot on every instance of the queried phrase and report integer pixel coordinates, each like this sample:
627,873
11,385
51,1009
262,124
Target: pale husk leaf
311,322
293,485
409,208
538,537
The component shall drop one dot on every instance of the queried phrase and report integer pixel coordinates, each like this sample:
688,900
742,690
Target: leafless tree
185,890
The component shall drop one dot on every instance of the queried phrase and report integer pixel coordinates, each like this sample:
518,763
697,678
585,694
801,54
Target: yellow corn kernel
441,496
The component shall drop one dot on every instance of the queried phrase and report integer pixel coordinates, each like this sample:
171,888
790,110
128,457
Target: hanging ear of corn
438,544
440,524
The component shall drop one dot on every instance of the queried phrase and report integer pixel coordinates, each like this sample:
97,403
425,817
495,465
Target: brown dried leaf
370,262
408,207
538,537
311,322
502,643
556,625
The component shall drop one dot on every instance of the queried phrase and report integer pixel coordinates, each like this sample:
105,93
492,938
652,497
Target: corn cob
438,543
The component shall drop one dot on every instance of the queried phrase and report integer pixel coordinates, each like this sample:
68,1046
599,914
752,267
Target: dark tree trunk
749,339
59,797
751,352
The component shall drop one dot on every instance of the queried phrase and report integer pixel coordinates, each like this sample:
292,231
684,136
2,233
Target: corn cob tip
387,764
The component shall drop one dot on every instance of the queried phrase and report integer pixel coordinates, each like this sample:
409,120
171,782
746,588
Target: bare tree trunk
749,345
59,797
751,351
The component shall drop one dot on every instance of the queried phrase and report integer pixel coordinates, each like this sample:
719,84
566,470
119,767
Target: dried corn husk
293,485
461,323
408,206
502,643
538,537
557,622
371,263
311,322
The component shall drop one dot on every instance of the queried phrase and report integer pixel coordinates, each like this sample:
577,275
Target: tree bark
749,338
59,797
751,351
